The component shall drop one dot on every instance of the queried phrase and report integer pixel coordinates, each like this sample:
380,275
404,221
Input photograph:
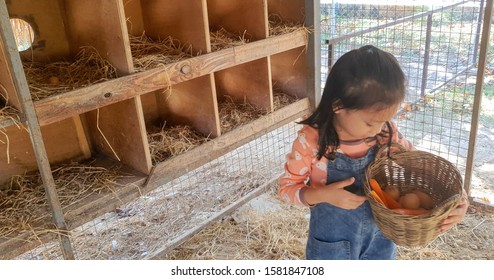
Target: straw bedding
280,26
151,53
222,39
234,114
87,68
171,140
23,205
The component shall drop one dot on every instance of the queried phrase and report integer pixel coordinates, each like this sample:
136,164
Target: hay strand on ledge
149,53
47,79
169,141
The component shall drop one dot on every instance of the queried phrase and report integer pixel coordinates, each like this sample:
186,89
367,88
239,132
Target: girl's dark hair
363,78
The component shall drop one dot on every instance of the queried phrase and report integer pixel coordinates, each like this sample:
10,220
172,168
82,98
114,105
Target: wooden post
22,90
484,46
313,18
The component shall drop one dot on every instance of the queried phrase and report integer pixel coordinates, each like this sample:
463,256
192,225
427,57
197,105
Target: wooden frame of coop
155,65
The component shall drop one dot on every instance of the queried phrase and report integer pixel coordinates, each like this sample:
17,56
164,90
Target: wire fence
160,220
437,46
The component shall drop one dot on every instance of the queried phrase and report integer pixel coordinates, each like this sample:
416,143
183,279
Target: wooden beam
83,100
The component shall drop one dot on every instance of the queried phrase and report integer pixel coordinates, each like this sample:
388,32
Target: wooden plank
100,24
150,107
313,64
191,103
133,14
239,17
181,164
116,133
249,82
79,101
182,20
46,19
289,72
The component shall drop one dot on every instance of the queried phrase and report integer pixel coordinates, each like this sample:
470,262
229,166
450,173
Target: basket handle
387,150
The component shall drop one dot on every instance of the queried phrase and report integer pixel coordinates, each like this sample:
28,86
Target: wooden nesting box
110,119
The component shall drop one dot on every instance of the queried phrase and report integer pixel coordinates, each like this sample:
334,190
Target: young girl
325,169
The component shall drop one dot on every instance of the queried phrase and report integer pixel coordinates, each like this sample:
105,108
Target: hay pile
23,205
280,26
281,99
47,79
279,234
168,141
223,39
234,114
148,53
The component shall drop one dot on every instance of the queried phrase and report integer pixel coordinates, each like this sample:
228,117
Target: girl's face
353,125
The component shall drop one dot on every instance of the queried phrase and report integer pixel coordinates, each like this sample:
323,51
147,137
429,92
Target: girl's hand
456,215
334,194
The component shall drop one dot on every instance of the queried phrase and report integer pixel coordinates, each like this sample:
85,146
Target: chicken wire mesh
436,43
161,219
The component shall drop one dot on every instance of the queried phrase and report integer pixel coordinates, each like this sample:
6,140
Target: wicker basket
408,171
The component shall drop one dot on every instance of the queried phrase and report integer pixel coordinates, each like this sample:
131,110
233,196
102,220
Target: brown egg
410,201
53,80
393,191
425,200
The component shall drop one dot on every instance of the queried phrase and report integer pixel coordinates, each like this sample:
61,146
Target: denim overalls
336,233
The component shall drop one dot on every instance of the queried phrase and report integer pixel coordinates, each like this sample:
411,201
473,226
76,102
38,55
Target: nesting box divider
289,72
289,68
246,21
117,130
190,103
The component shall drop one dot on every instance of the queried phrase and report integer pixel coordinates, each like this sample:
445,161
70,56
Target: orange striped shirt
302,164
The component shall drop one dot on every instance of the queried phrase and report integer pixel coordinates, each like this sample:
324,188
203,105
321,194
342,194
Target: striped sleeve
298,166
